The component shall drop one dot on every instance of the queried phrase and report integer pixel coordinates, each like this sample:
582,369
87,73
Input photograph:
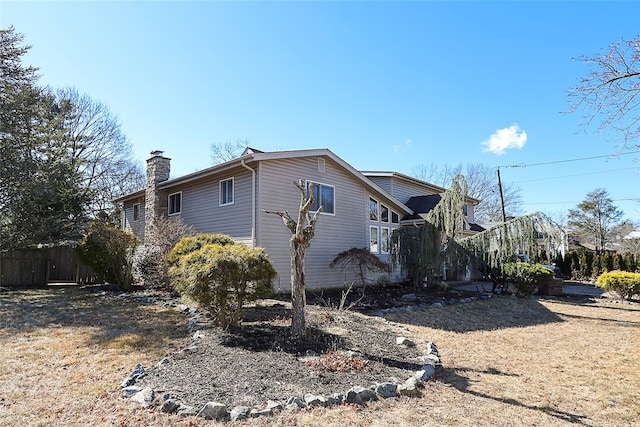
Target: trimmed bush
527,277
221,278
191,244
109,251
623,283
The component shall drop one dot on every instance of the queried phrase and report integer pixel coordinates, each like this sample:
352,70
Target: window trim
320,185
377,230
382,207
169,213
388,230
397,216
377,211
221,193
135,212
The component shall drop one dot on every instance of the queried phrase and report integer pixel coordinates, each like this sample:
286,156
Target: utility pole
504,216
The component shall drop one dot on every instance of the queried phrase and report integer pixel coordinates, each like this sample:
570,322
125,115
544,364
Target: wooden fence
39,267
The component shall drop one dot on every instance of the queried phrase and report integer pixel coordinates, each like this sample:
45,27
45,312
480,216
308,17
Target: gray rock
436,305
334,399
314,400
164,361
405,341
239,413
431,348
409,388
386,390
274,406
129,391
170,406
425,373
261,413
187,411
144,397
137,373
213,411
409,297
360,395
294,403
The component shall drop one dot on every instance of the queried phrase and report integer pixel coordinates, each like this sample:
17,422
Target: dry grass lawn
507,362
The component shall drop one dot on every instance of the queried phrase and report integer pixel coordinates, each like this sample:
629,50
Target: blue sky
384,85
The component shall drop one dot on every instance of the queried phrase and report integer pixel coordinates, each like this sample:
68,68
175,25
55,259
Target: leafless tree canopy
100,151
609,94
225,151
482,184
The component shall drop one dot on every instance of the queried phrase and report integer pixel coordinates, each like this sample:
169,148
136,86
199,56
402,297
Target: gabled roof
422,205
402,177
251,156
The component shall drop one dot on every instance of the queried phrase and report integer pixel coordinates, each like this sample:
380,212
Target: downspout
253,202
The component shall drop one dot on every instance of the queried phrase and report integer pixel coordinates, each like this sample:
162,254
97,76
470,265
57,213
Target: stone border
168,403
148,397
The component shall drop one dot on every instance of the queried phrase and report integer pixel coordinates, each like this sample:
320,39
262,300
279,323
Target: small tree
221,278
109,251
363,260
302,231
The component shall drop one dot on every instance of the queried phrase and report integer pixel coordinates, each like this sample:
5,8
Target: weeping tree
426,250
531,235
302,231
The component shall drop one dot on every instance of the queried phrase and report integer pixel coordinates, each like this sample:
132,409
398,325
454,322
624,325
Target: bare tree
99,149
482,185
225,151
610,93
302,231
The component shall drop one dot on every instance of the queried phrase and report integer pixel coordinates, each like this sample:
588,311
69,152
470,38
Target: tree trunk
298,296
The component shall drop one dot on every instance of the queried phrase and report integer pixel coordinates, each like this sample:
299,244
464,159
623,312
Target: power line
625,199
523,165
578,174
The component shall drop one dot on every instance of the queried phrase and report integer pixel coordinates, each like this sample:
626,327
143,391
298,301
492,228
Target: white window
136,211
226,192
374,214
395,218
373,240
384,213
175,203
323,195
384,240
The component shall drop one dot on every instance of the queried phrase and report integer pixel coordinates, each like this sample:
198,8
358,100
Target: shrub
109,251
191,244
527,277
624,283
150,260
221,278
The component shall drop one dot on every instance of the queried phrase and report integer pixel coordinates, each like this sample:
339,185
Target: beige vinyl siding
403,190
385,183
201,205
334,233
134,226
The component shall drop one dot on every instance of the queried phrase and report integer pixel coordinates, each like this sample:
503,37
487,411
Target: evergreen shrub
221,277
527,277
109,251
624,283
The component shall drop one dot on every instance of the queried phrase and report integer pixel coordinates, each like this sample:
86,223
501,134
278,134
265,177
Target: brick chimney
156,203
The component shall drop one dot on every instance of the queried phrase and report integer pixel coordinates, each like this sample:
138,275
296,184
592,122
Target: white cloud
503,139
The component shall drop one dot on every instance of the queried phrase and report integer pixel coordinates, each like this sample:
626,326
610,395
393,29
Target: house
359,209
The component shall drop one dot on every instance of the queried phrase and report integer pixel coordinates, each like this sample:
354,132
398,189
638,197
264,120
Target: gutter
253,201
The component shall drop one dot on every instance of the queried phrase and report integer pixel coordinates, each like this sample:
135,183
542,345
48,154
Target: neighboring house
359,209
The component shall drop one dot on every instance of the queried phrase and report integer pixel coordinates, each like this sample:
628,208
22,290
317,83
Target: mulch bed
259,362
